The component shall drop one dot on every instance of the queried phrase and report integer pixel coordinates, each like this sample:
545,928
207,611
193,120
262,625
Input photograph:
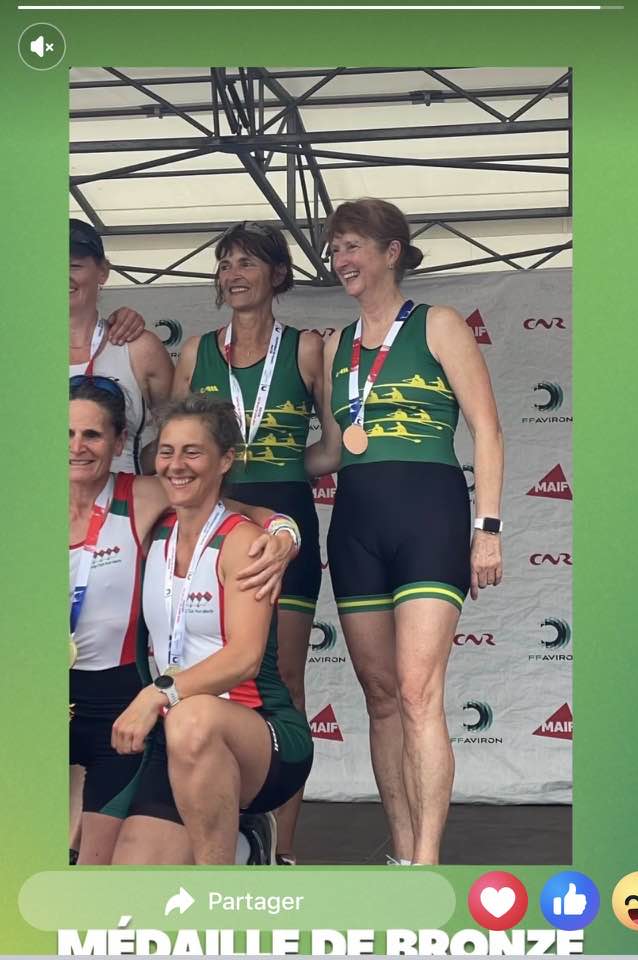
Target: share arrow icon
179,901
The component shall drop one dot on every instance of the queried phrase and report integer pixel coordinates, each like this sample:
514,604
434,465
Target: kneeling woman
230,737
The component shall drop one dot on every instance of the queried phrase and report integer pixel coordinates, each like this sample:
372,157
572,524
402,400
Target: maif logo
477,324
559,725
324,726
485,716
539,323
554,399
562,634
554,485
175,332
474,639
555,559
328,635
324,490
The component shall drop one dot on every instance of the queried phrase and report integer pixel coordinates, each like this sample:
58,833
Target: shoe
260,829
73,857
391,862
283,860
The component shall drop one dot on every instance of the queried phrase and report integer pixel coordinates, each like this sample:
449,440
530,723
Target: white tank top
204,634
115,362
106,633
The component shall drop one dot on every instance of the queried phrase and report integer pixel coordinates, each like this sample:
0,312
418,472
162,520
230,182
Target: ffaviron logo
485,716
559,725
477,324
474,639
175,332
554,485
562,636
324,726
328,635
555,396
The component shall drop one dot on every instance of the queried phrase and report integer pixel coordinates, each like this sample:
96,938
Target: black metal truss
265,121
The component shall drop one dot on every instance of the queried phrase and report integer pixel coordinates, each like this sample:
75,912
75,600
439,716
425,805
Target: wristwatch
488,524
168,688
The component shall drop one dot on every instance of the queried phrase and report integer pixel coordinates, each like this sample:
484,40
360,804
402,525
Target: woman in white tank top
225,733
142,367
110,519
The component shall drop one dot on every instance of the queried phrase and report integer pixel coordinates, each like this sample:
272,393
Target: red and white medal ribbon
96,343
356,399
264,384
99,514
177,626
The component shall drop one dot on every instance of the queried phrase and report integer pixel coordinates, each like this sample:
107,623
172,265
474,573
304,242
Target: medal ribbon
263,389
99,514
355,398
96,343
177,627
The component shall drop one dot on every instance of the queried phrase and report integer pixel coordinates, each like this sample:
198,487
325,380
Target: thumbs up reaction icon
570,900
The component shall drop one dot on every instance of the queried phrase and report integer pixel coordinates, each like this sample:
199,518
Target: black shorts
399,531
98,698
302,579
154,794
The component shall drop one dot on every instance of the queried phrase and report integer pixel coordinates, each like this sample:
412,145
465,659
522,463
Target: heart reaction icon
497,900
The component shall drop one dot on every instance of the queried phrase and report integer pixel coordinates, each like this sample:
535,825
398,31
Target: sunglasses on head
250,226
102,383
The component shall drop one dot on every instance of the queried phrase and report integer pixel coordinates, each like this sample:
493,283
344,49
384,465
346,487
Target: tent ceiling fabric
162,160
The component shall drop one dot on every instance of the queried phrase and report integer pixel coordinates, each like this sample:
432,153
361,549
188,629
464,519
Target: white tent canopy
384,117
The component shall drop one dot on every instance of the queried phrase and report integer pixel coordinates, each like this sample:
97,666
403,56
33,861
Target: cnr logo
461,639
537,559
533,323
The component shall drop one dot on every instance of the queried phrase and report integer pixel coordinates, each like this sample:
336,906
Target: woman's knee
380,695
191,729
421,698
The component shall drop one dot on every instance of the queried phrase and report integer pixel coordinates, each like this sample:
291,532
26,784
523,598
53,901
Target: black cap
84,238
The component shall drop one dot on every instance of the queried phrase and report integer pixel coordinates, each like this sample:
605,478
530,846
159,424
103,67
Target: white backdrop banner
508,694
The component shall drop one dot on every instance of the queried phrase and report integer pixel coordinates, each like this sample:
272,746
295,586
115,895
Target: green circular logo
41,46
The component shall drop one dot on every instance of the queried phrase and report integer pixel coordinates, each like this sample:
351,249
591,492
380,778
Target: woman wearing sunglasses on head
273,376
399,544
226,733
142,367
110,517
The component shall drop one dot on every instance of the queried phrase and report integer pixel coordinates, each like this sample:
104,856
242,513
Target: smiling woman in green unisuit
399,547
273,375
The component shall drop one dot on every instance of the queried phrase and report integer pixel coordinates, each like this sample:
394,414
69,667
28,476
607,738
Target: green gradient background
601,48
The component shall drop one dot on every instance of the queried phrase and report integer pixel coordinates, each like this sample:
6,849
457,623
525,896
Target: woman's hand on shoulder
270,555
486,563
124,325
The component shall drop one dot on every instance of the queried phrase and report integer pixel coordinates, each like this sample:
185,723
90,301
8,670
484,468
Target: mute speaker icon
37,46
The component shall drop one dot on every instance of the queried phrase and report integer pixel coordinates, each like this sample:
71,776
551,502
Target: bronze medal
355,439
73,652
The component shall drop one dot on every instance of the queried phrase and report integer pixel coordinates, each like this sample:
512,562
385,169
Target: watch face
491,525
163,682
